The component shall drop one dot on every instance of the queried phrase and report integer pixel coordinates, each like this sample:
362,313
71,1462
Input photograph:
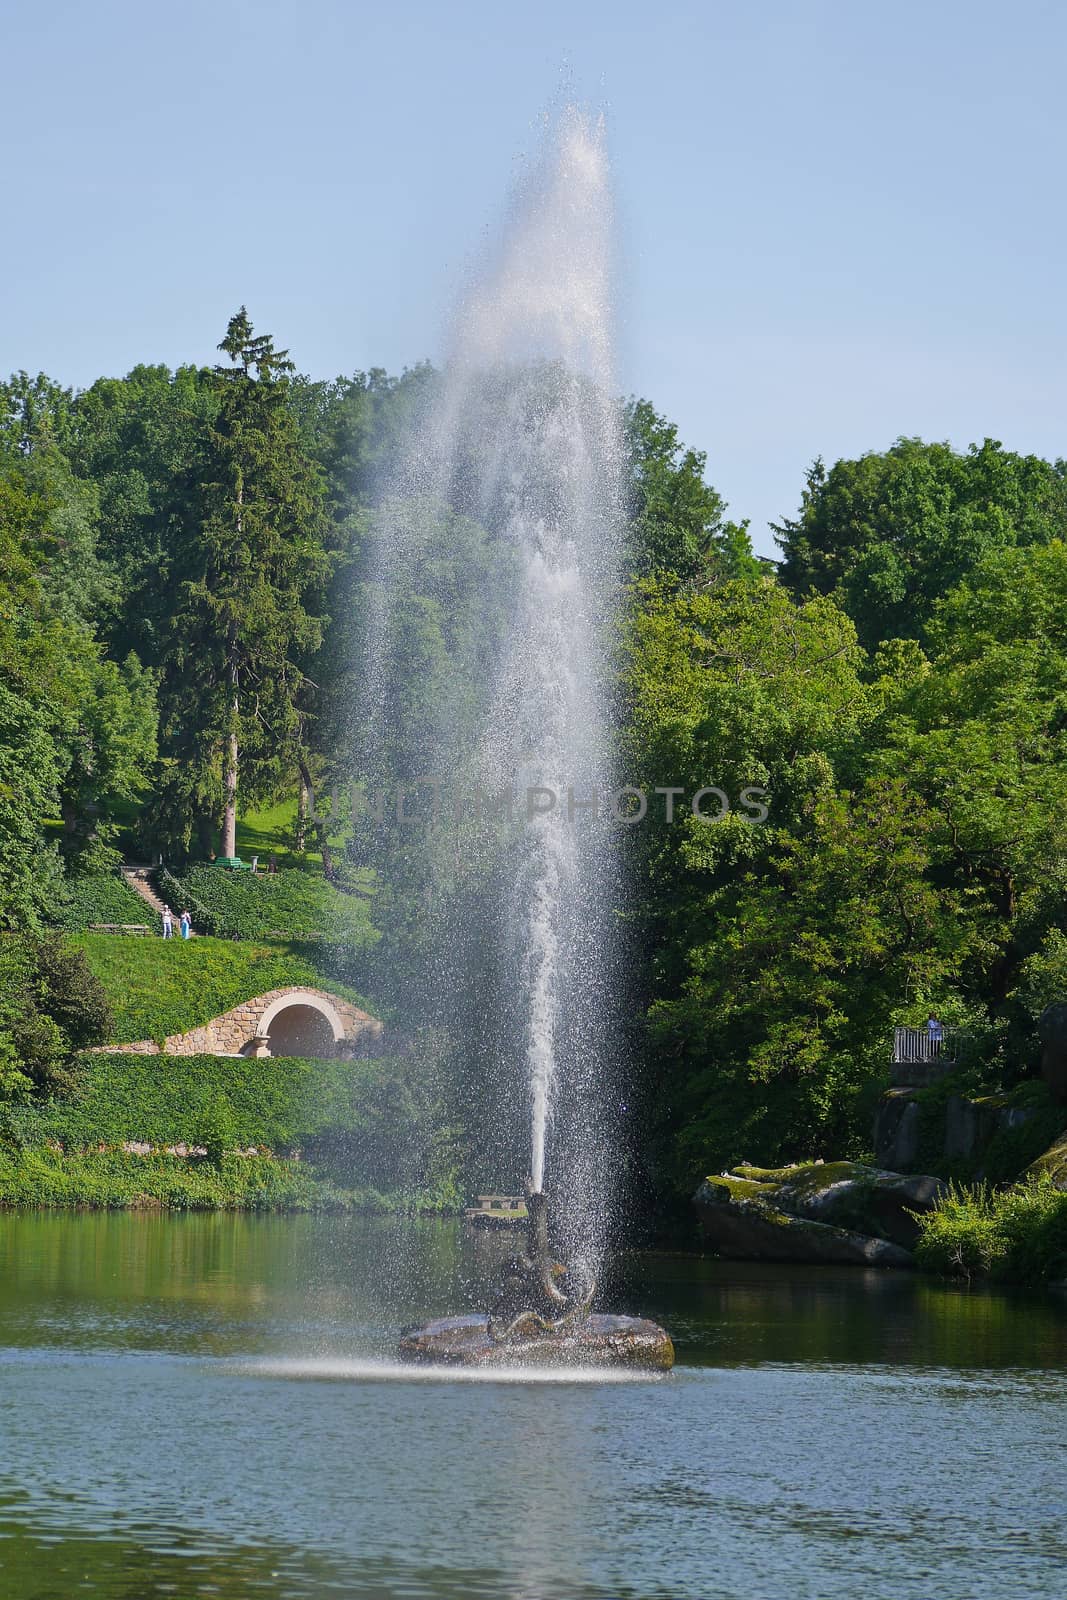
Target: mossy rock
840,1211
809,1178
968,1133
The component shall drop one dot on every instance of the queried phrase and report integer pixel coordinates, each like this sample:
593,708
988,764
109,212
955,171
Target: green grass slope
163,986
299,905
375,1134
272,832
101,897
173,1099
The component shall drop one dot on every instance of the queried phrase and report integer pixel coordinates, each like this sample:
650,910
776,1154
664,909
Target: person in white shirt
168,923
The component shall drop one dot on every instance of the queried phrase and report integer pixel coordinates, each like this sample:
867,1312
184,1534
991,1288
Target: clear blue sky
839,221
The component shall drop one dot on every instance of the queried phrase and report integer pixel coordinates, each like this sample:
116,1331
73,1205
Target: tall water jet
502,529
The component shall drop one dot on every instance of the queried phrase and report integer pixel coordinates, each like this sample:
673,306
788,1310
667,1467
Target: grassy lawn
263,833
163,986
283,904
270,832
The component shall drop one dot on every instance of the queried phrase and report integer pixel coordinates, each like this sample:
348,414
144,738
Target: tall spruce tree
247,581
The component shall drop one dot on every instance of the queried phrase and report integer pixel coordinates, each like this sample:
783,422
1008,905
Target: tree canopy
188,602
891,534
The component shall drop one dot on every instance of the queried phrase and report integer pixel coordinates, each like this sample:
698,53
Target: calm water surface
206,1406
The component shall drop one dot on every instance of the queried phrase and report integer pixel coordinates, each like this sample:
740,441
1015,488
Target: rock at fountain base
597,1341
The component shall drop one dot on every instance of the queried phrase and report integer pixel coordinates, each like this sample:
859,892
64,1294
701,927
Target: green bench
235,864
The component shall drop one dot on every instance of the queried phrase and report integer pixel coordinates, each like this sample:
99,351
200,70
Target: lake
206,1405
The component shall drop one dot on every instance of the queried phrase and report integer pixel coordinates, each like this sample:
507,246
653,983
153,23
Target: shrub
114,1180
71,993
1018,1233
373,1124
959,1237
51,1006
217,1129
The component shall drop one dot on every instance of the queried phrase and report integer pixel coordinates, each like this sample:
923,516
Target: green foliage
776,953
914,854
51,1006
676,518
159,987
29,769
81,727
1019,1234
377,1125
215,1128
76,584
164,1099
134,438
1043,976
892,533
111,747
249,557
68,991
115,1180
980,738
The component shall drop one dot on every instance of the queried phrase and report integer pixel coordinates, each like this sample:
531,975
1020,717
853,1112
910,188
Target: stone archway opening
301,1030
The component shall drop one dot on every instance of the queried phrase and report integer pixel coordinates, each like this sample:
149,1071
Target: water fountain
519,460
543,1316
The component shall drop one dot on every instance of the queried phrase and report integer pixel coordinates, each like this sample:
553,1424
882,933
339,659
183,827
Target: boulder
1052,1031
598,1340
965,1131
896,1130
962,1128
1052,1163
834,1212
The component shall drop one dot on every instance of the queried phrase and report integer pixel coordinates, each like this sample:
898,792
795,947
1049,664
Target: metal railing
915,1045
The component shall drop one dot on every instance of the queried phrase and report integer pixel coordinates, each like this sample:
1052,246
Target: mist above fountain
518,464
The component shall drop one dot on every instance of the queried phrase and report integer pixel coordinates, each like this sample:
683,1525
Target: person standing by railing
935,1035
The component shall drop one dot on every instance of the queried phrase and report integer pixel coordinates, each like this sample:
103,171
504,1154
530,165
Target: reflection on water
159,1563
826,1433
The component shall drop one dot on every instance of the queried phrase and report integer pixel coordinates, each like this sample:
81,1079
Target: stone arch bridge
295,1021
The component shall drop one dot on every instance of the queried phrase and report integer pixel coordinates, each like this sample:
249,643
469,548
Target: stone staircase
139,880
